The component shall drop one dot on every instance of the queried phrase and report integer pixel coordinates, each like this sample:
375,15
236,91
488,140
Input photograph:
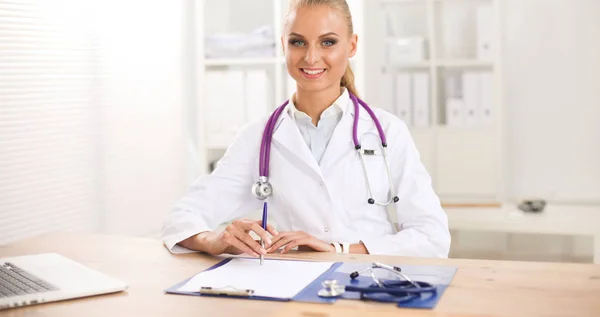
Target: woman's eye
328,42
297,42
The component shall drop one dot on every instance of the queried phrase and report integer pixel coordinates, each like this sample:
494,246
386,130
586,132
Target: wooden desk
480,288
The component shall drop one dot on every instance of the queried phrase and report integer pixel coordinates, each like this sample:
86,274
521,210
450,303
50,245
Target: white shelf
211,62
464,161
464,63
426,1
405,1
410,65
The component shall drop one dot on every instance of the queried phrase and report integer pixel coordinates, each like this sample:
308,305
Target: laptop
49,277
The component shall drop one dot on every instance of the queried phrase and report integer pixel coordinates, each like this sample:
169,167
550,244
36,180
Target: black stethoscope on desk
396,291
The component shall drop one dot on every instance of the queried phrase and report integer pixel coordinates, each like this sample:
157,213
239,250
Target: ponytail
348,81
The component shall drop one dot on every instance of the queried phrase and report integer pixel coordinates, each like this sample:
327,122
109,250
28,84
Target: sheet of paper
275,278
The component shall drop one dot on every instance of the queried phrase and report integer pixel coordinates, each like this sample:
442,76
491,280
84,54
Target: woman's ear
353,45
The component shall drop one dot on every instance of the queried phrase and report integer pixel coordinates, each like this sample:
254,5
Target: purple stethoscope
263,189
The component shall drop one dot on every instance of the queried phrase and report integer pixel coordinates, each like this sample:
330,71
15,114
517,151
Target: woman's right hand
236,239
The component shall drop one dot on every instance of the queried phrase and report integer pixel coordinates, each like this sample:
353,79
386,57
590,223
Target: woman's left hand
292,239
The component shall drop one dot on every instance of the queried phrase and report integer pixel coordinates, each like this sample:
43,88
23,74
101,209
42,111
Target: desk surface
480,287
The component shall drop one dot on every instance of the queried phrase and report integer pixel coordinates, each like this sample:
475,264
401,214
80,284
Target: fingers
272,230
260,232
231,240
246,239
294,244
282,239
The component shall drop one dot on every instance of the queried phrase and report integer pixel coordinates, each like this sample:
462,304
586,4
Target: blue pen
264,226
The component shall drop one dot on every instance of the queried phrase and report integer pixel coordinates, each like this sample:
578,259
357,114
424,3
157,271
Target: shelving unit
219,17
465,161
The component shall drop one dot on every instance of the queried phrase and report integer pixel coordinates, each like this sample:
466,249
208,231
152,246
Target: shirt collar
340,105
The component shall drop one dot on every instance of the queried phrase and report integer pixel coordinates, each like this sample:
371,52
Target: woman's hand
292,239
236,239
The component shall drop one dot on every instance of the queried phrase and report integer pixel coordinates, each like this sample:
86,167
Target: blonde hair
341,6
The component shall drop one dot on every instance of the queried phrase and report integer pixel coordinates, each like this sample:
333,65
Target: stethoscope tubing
394,288
265,146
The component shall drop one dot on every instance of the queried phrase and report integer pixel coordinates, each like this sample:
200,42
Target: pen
264,226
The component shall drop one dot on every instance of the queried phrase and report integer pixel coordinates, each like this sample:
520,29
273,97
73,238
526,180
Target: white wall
142,97
552,95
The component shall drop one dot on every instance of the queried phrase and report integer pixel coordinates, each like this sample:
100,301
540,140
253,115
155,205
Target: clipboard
246,293
441,276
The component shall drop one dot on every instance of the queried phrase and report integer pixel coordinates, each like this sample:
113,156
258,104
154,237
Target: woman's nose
313,55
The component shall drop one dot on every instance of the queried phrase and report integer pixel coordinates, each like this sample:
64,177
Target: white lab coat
327,200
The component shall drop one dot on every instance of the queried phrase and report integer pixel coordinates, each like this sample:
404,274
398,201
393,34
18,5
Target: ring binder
226,292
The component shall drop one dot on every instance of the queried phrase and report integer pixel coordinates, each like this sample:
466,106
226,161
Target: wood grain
480,287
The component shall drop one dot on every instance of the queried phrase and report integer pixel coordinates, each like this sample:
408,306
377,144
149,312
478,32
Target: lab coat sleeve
423,224
213,199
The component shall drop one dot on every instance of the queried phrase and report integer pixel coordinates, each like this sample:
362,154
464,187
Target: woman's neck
313,103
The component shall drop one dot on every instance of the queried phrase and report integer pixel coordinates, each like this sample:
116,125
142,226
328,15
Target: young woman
321,158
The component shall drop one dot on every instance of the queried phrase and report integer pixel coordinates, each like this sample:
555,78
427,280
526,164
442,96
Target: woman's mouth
312,73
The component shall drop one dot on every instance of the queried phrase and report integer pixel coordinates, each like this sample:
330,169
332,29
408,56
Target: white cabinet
456,44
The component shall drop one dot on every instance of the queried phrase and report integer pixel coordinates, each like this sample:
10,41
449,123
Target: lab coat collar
287,137
343,103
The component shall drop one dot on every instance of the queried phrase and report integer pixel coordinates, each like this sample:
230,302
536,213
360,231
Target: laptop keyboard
15,281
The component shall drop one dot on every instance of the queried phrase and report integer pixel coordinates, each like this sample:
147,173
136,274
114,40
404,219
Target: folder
471,94
487,98
485,32
403,98
440,276
455,108
420,99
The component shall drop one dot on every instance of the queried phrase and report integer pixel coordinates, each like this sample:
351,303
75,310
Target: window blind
49,122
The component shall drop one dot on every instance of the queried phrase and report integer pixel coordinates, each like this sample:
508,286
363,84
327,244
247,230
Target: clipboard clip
226,291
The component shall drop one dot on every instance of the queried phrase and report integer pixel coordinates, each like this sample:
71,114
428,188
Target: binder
455,108
440,276
403,98
420,100
472,98
485,32
487,98
455,105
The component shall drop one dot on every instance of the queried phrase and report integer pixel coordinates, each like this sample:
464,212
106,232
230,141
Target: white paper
275,278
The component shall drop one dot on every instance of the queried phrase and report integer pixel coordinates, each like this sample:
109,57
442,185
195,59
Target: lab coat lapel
341,142
289,142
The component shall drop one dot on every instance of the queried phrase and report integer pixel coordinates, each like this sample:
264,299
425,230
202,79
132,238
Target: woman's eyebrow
324,35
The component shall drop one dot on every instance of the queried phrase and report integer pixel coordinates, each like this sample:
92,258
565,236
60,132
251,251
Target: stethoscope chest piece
331,289
262,189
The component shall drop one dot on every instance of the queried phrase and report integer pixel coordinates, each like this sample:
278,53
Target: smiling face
317,47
